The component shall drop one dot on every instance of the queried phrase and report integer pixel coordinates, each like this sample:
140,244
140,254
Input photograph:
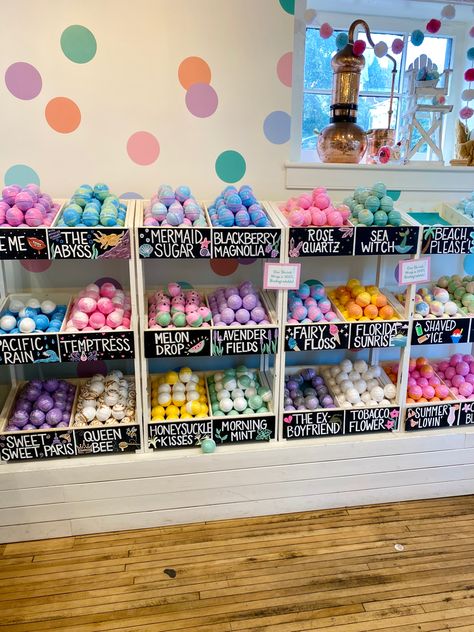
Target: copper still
343,140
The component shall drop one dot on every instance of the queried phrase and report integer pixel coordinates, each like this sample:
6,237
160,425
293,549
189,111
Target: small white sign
414,271
281,276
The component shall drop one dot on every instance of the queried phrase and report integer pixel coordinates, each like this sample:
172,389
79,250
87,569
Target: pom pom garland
469,74
448,12
417,37
470,54
433,26
466,112
326,30
397,46
380,49
359,47
341,40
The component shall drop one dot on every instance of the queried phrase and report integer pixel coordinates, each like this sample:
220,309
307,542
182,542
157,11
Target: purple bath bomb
234,302
45,426
32,393
308,374
51,385
311,402
9,193
24,200
54,416
289,408
14,216
45,403
258,314
250,301
242,316
227,315
327,401
66,416
37,417
62,424
324,305
20,418
29,427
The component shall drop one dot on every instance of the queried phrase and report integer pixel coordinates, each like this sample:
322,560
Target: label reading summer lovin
156,242
321,242
432,416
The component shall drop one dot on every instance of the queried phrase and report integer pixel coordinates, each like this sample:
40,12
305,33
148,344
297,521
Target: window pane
438,49
373,112
317,60
315,116
377,74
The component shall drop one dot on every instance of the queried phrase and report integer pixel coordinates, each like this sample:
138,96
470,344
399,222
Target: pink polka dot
285,69
143,148
23,80
36,265
201,100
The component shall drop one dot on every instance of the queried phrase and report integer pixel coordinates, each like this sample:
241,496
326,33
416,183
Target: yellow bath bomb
158,410
158,418
171,377
179,399
172,412
193,407
204,409
164,399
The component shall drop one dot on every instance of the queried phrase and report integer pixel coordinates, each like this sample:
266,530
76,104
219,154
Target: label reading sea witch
391,240
36,445
247,242
321,242
320,423
19,243
174,243
432,416
378,335
111,345
175,343
447,240
238,340
94,243
244,429
316,337
431,331
181,434
107,440
25,349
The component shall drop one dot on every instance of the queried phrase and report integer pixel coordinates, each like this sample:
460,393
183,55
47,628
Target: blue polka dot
468,264
276,127
22,175
394,194
131,195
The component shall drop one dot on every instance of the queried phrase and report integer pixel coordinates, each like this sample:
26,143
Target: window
375,81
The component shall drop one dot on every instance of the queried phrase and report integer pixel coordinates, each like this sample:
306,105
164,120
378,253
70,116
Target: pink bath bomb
174,289
114,319
457,357
86,305
80,320
194,319
108,290
296,218
318,217
33,217
97,320
314,313
105,305
462,368
307,218
304,201
450,372
465,389
428,391
457,380
344,210
330,316
470,378
14,216
324,305
24,200
322,201
335,218
9,193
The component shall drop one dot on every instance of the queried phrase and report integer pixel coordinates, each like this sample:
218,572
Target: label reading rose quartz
179,434
156,242
26,349
325,241
389,240
23,243
244,340
432,416
82,347
229,243
89,243
243,429
447,240
175,343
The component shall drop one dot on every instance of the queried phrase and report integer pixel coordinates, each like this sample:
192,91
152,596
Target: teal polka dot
468,264
288,6
230,166
22,175
395,195
78,44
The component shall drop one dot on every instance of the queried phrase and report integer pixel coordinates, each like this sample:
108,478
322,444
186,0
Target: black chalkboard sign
107,439
432,416
447,240
369,420
317,337
175,343
260,243
307,425
156,242
40,444
466,413
29,348
378,334
90,346
178,434
388,240
89,243
244,340
324,241
440,331
243,429
23,243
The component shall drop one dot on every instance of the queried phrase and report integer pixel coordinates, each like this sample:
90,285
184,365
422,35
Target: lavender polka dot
276,127
23,80
131,195
201,100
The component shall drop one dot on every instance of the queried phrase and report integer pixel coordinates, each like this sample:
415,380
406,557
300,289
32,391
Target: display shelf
457,237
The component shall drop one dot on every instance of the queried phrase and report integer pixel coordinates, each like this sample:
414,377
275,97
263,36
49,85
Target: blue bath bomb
242,218
101,191
112,199
71,217
386,204
372,203
225,217
233,202
90,218
42,322
182,193
366,217
379,189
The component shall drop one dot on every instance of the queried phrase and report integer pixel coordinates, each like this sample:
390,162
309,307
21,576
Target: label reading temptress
111,345
391,240
156,242
321,242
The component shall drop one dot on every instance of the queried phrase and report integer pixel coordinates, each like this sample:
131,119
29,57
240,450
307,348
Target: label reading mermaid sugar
374,419
319,423
317,337
19,243
447,240
174,243
93,243
432,416
242,340
111,345
107,440
25,349
243,429
173,343
325,241
378,334
182,434
27,446
440,331
388,240
228,243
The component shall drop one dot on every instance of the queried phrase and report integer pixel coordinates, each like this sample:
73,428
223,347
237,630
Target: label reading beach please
431,417
325,336
19,243
107,440
378,334
113,345
391,240
236,341
447,240
36,445
174,243
181,434
175,343
321,242
25,349
368,420
228,243
439,331
93,243
306,425
244,429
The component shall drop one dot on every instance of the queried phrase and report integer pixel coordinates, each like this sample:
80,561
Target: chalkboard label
369,420
174,243
28,446
466,414
228,243
440,331
23,243
175,343
89,243
110,345
107,439
243,429
179,434
325,241
244,340
317,337
447,240
26,349
388,240
378,334
307,425
432,416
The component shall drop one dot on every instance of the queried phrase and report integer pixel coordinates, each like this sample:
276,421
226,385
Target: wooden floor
339,570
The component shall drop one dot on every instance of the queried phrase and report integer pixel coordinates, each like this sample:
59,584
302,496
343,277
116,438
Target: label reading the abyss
378,334
391,240
180,434
321,242
236,341
107,440
174,243
37,445
111,345
432,416
376,419
306,425
316,337
244,429
172,343
26,349
432,331
89,243
23,243
228,243
447,240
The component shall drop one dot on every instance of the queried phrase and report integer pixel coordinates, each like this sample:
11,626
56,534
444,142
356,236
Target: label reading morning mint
244,429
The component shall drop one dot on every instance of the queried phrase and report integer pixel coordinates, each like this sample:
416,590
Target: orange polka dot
62,115
193,70
224,267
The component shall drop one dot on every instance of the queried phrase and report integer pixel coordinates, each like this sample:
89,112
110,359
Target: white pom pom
380,49
448,12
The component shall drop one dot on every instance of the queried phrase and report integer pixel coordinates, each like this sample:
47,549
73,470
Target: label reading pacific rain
111,345
175,343
25,349
321,242
180,434
378,334
317,337
439,331
19,243
447,240
94,243
432,416
307,425
27,446
174,243
389,240
241,340
244,429
228,243
107,440
374,419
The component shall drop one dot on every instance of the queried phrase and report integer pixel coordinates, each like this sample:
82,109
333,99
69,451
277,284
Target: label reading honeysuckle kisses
181,434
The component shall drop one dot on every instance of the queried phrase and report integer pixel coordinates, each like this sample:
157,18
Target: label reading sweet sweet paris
391,240
89,243
107,440
432,416
36,445
317,337
173,343
447,240
228,243
174,243
19,243
431,331
26,349
368,420
181,434
306,425
111,345
321,242
244,429
378,334
241,340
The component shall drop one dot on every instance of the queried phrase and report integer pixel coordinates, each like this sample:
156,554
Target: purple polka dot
246,261
396,273
276,127
23,80
201,100
131,195
103,280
